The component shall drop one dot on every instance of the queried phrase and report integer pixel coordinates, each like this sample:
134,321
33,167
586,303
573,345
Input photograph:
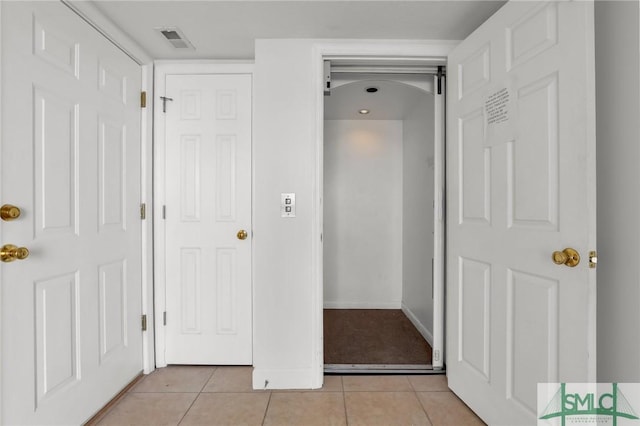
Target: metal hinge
164,212
436,355
143,211
164,318
144,322
143,99
593,259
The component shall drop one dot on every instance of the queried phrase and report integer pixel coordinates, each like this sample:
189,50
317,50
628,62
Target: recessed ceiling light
364,111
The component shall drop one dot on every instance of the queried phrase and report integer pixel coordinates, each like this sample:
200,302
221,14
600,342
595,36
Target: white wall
362,214
286,154
618,167
417,221
284,158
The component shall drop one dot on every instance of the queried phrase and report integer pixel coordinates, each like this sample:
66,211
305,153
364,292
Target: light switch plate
288,204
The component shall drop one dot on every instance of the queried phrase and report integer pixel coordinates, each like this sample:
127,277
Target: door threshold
382,369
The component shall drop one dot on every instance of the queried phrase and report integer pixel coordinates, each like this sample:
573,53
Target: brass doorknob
9,253
242,234
568,256
9,212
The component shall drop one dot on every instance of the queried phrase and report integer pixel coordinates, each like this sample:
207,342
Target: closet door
207,219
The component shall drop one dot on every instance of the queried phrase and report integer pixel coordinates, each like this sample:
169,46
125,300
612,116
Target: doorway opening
382,219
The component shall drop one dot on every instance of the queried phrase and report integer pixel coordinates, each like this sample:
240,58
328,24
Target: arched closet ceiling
392,101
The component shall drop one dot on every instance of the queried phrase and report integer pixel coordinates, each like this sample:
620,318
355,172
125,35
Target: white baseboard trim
265,379
417,324
362,305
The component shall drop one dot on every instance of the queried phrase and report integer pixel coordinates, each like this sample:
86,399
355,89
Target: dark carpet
372,336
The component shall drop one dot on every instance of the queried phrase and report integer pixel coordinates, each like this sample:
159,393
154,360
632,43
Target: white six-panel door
71,335
207,206
521,185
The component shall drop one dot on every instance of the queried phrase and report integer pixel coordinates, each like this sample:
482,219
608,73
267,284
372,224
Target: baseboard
362,305
417,324
266,379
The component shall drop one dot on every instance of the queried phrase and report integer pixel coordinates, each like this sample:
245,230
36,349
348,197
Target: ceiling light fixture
364,111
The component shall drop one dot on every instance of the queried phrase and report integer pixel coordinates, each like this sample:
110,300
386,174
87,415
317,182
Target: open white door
71,334
206,194
521,185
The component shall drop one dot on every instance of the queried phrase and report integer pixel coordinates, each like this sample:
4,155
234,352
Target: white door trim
1,198
146,197
436,51
439,223
162,69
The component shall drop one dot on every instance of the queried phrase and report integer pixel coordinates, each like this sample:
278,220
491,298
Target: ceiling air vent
175,37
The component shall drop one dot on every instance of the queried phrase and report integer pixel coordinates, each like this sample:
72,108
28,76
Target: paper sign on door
500,112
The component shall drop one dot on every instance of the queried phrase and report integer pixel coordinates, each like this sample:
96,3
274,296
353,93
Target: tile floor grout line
208,379
344,402
424,409
266,410
411,384
190,405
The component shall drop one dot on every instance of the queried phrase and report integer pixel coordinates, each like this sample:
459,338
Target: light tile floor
189,395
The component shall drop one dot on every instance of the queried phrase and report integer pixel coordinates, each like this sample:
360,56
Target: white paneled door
207,219
521,181
71,335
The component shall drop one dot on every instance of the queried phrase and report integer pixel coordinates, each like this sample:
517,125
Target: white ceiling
392,101
228,29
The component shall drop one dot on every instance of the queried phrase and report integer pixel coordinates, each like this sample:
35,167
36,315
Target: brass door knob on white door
242,234
9,212
569,257
9,253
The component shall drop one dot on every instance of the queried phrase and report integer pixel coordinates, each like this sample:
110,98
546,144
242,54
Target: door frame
435,52
163,68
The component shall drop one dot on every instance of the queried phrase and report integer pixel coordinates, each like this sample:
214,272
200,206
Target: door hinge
593,259
436,355
164,318
164,212
144,322
143,99
143,211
